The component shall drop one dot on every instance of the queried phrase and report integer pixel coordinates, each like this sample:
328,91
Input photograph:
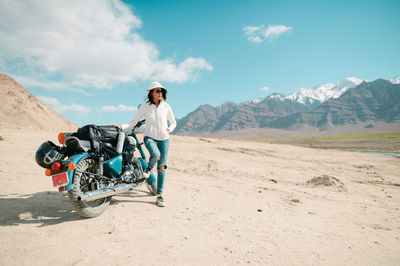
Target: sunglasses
158,91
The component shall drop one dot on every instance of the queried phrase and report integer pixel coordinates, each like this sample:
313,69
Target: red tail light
56,166
61,138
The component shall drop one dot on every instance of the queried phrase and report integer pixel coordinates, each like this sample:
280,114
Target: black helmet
48,153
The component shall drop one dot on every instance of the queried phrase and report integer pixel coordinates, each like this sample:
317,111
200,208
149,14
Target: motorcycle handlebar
140,123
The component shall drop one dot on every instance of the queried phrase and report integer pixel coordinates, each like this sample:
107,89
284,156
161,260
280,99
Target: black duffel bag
100,133
109,134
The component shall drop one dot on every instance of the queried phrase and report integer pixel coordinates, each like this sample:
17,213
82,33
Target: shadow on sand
133,196
50,208
42,208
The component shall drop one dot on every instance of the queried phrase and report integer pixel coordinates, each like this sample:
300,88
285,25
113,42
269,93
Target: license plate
60,179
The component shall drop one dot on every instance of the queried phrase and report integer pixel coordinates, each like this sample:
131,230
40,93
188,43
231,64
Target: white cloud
265,88
86,43
182,72
49,100
273,31
249,30
48,85
56,105
73,107
255,39
119,108
258,34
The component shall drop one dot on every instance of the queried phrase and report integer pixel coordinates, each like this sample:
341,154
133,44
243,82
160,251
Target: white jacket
156,120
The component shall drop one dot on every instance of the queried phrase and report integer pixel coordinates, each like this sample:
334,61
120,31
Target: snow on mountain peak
323,92
395,80
320,93
276,96
255,101
271,96
356,81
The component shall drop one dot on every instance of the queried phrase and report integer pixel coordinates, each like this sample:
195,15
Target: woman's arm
171,119
136,119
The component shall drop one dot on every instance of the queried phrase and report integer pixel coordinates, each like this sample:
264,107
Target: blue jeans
158,150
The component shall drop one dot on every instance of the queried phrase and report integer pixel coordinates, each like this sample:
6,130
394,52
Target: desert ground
378,143
229,202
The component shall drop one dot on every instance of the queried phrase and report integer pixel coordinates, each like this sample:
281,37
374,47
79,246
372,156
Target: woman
156,135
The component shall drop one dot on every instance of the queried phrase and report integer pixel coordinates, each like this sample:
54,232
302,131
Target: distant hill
348,102
231,116
20,109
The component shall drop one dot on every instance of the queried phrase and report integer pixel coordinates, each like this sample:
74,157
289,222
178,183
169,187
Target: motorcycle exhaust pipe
107,192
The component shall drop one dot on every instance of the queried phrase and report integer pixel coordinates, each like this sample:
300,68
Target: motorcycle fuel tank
114,165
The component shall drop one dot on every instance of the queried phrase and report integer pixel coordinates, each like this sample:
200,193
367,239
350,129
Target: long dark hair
150,97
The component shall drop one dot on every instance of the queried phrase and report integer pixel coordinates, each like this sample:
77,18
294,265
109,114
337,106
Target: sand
229,202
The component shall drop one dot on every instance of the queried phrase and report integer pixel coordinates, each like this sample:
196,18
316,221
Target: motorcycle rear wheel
81,185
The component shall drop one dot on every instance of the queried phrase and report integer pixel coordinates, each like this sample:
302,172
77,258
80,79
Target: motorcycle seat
77,145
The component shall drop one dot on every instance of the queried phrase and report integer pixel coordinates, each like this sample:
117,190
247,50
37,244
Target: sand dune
229,202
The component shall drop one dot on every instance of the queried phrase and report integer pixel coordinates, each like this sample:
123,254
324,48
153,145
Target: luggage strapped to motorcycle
101,134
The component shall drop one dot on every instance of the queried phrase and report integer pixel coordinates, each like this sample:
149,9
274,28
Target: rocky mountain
321,107
377,101
258,113
20,109
231,116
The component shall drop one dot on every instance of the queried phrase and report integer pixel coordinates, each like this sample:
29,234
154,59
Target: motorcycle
94,164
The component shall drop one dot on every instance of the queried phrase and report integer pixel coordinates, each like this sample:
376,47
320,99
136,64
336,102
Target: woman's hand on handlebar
117,126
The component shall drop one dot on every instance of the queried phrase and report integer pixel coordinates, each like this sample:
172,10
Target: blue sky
93,60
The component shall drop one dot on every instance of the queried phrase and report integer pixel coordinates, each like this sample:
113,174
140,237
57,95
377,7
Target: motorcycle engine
133,171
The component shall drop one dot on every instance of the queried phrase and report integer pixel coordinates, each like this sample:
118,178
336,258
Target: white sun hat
155,84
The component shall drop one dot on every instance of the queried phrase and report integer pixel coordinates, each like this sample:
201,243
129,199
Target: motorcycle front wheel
84,182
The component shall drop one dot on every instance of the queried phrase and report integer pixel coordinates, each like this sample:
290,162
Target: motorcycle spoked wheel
81,185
